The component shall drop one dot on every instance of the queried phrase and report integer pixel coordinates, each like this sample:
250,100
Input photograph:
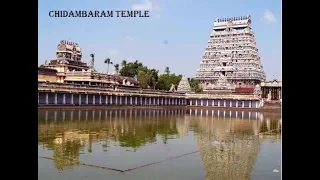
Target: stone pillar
116,99
196,102
190,102
72,99
120,100
100,99
207,102
219,102
236,103
130,100
38,98
212,102
136,100
250,105
280,95
47,98
149,100
87,99
257,103
269,96
126,100
165,101
141,101
176,101
201,102
94,99
224,103
231,101
63,98
107,99
79,100
55,98
243,104
154,101
111,99
158,99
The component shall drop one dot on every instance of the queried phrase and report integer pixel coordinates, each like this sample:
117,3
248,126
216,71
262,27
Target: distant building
231,53
68,68
271,90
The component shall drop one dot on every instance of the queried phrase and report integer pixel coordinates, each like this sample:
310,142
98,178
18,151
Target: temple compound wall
58,94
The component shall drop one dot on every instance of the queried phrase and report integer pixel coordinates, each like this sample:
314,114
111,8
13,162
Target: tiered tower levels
231,52
68,54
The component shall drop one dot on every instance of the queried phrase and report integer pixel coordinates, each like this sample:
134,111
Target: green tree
123,63
146,77
166,80
108,62
116,66
195,85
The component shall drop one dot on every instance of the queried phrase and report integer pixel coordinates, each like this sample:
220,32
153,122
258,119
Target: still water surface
177,144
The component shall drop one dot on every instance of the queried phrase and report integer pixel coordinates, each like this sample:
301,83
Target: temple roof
46,71
184,85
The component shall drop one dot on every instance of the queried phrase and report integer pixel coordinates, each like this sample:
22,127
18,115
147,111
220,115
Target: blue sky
185,24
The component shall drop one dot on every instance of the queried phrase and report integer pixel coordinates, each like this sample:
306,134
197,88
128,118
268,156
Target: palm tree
166,70
92,61
108,62
123,63
117,67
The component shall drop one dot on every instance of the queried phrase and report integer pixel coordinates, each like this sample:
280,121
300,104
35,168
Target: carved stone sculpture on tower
233,57
222,83
184,85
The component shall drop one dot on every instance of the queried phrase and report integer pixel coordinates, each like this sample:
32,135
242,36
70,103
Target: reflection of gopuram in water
230,145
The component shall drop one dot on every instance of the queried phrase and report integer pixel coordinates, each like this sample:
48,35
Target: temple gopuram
231,57
69,68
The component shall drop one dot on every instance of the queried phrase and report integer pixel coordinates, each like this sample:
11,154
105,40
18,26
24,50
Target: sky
175,34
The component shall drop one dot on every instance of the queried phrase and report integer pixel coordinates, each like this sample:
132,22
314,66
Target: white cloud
147,5
269,16
113,52
128,38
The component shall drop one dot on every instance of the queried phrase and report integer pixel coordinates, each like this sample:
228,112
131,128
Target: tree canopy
150,78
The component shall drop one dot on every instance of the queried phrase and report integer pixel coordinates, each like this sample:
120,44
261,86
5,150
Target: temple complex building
69,68
47,74
231,53
271,90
